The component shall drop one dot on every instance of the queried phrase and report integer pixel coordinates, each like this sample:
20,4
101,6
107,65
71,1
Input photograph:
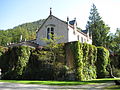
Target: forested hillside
27,30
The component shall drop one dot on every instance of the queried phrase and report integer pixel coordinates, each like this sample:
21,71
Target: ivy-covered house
83,60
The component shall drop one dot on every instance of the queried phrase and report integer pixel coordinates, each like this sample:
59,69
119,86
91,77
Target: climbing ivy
23,62
78,57
85,56
14,61
102,61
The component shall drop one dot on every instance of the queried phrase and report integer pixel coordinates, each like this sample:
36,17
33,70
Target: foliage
27,30
23,62
14,61
102,61
46,64
89,60
54,48
41,67
114,42
85,56
49,61
113,45
3,50
97,28
78,63
60,71
116,72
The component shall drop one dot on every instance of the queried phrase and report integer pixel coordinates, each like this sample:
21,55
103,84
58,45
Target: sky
16,12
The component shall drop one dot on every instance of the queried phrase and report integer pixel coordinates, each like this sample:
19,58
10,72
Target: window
82,39
50,33
78,37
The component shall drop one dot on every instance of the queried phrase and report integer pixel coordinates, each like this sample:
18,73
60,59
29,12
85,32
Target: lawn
94,81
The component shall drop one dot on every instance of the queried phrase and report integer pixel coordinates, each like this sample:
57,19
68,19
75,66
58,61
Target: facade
69,31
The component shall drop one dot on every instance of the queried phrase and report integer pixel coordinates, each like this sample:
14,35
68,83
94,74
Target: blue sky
16,12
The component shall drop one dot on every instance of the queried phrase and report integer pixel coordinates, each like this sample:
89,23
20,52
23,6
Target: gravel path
15,86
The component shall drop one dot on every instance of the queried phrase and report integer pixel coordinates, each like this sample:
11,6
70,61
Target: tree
97,28
114,42
27,30
55,48
113,45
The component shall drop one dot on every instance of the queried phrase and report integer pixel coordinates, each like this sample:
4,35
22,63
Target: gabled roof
48,18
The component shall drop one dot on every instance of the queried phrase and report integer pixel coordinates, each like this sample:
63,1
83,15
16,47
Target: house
68,29
55,26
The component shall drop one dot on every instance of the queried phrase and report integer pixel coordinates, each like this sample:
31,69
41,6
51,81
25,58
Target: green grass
95,81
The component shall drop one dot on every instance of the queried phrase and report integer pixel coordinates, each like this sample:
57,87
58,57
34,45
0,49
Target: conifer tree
97,28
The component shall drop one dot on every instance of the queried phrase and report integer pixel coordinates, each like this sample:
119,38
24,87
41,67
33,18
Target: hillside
27,30
32,26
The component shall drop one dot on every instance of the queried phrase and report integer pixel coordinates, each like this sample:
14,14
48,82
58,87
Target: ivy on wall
89,59
90,62
22,62
102,61
84,60
78,57
14,61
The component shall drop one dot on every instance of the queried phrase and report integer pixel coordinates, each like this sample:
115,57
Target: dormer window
50,33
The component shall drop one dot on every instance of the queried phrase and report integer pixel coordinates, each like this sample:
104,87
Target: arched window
50,33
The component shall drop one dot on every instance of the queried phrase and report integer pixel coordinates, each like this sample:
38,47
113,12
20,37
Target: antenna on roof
50,11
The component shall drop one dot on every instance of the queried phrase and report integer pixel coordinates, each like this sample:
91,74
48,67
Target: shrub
39,66
60,71
42,67
116,72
